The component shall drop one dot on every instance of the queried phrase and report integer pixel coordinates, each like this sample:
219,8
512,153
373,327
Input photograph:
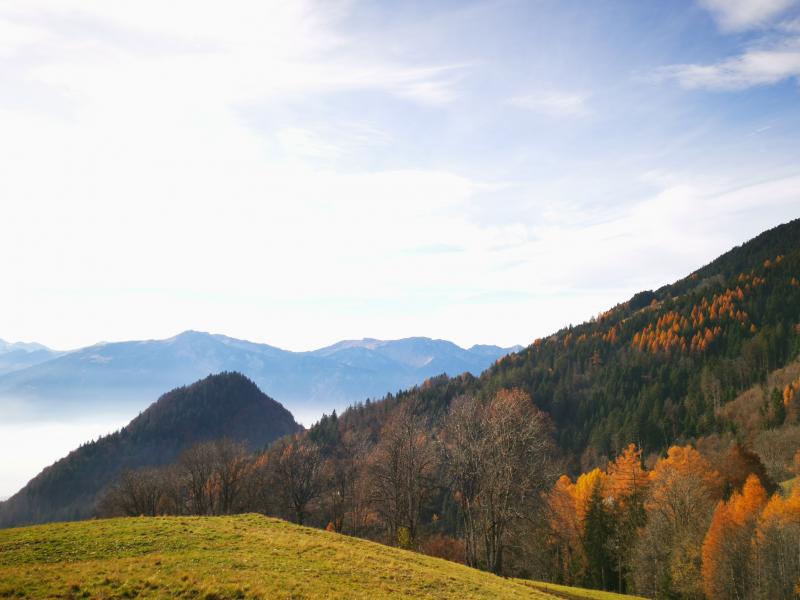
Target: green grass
245,556
572,592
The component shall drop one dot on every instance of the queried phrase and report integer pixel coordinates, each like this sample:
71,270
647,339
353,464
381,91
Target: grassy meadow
245,556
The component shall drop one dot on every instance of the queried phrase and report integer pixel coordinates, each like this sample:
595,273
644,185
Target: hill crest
226,557
223,405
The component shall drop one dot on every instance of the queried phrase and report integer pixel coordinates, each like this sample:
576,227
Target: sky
302,172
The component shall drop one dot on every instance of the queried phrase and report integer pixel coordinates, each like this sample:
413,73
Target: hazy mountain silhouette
21,355
224,405
122,377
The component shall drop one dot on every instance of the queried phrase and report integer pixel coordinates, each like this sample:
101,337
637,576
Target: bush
446,547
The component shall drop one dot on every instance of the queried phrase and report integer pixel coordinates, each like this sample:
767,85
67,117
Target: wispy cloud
752,68
553,103
329,141
265,50
739,15
297,141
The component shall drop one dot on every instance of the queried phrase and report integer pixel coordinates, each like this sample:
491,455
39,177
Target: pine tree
778,409
598,530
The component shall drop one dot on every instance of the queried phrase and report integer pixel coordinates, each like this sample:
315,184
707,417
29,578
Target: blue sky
298,173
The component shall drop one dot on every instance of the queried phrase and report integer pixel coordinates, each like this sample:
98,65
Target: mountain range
20,355
124,377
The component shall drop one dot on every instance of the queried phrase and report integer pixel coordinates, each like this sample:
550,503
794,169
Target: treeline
465,487
479,485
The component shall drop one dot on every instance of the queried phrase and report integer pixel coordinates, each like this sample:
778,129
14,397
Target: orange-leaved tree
777,543
567,504
728,565
666,558
627,479
626,486
565,532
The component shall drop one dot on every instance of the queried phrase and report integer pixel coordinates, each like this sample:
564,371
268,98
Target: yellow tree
567,504
683,490
584,487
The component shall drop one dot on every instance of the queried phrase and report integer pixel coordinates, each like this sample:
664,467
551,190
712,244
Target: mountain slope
233,557
20,355
122,377
224,405
656,372
657,369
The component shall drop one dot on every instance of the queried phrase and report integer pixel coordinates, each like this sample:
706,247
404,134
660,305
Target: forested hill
653,370
224,405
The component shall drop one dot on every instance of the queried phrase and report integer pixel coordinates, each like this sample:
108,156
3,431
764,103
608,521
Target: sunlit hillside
247,556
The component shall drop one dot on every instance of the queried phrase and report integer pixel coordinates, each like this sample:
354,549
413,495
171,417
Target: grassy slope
564,591
227,557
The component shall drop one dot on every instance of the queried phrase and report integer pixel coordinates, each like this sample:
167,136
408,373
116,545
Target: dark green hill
653,370
224,405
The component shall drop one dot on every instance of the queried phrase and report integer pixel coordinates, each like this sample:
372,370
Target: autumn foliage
687,528
727,571
698,329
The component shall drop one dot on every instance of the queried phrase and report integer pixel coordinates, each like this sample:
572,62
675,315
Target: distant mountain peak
226,404
188,335
368,343
21,355
22,346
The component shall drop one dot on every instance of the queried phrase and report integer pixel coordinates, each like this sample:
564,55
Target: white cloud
297,141
553,103
752,68
738,15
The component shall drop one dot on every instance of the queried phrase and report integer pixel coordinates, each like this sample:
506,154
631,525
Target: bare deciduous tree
343,473
296,470
136,493
198,465
401,471
230,466
499,456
